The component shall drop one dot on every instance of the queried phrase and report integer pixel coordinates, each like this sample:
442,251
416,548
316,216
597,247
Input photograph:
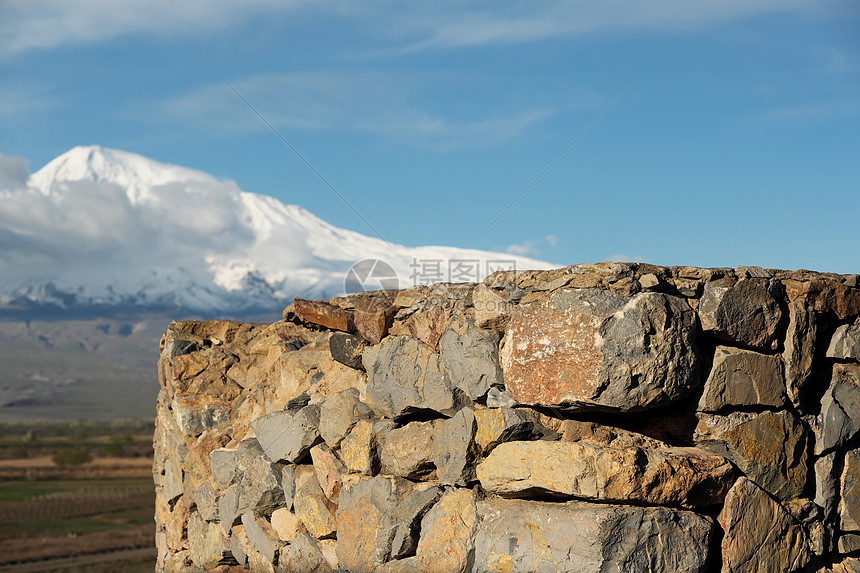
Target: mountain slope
100,228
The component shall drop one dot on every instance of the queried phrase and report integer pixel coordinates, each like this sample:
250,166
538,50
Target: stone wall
610,417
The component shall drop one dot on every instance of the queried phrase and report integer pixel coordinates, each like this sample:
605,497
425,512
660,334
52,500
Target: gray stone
845,344
404,375
303,555
840,408
288,484
261,534
525,536
743,378
497,398
228,508
288,436
454,448
259,480
747,313
799,354
674,476
849,501
825,484
339,413
238,551
759,534
591,349
222,462
470,358
206,501
410,510
769,448
347,349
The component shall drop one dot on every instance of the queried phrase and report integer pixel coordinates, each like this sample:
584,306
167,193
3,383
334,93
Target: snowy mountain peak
96,164
100,227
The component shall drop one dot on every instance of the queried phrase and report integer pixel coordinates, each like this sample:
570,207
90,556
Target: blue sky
737,144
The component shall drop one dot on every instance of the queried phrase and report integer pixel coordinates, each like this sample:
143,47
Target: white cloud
524,249
620,258
552,240
44,24
34,24
368,101
449,26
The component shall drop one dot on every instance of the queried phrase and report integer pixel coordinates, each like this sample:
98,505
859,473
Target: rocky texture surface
591,418
590,348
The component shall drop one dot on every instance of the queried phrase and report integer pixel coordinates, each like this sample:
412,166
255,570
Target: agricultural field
74,497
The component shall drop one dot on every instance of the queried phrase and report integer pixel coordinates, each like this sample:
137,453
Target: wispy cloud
35,24
531,248
621,258
373,102
44,24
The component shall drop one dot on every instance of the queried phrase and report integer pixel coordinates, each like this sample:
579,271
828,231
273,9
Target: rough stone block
347,349
329,470
677,476
222,463
747,313
365,523
494,426
373,317
448,533
849,502
323,314
590,349
492,310
339,413
799,353
303,555
405,376
759,534
261,534
769,448
194,414
526,536
845,344
743,378
454,448
470,358
840,408
407,451
287,524
314,509
288,436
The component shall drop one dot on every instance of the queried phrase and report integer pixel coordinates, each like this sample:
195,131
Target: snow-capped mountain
100,227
